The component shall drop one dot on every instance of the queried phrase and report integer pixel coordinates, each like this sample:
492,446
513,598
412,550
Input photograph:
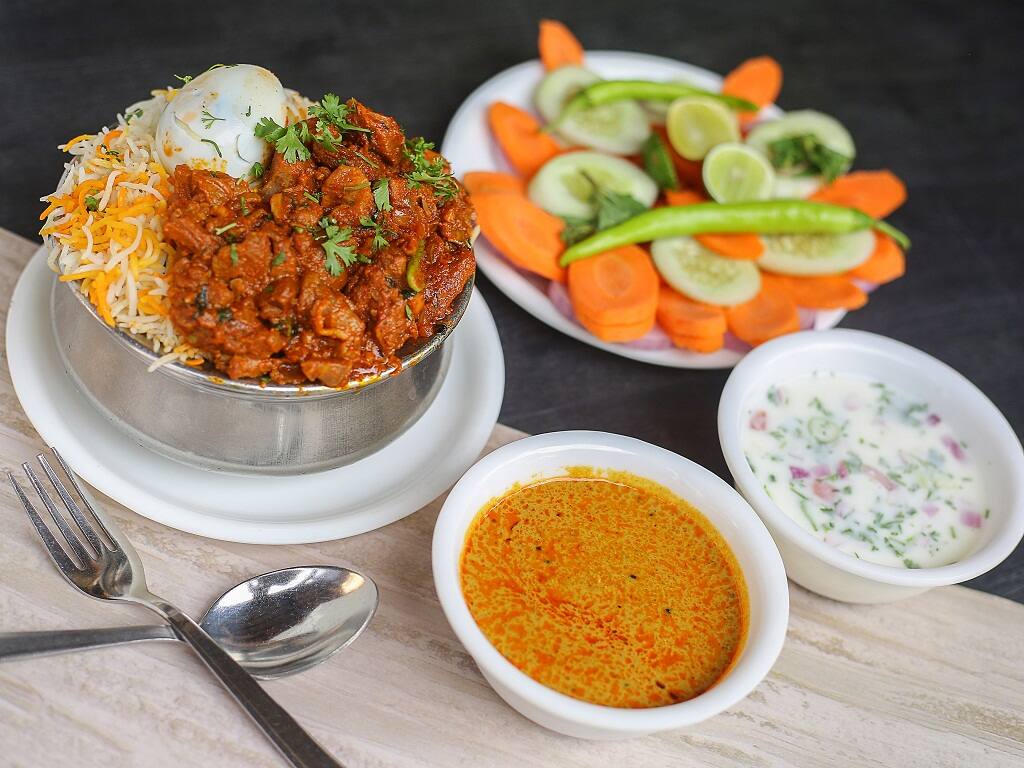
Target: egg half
210,122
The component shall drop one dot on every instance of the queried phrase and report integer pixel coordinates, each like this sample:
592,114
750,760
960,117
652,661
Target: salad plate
468,145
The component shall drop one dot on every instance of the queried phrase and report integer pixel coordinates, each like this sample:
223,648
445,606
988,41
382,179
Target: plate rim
521,288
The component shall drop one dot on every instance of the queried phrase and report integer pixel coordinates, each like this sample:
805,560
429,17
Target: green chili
768,217
607,91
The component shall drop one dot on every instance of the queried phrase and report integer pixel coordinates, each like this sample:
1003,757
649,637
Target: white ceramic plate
394,482
469,147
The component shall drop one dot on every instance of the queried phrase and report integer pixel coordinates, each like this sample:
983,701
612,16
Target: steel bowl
197,417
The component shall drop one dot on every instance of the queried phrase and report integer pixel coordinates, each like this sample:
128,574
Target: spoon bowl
287,621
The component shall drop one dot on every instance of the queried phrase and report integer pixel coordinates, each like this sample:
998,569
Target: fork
107,567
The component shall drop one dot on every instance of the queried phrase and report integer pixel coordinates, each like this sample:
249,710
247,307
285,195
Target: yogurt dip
866,468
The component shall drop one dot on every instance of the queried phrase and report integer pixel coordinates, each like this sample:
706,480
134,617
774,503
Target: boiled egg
209,123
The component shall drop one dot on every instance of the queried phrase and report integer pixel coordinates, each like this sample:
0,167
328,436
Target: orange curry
606,587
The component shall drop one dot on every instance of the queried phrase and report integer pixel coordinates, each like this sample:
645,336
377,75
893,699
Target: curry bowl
554,455
197,417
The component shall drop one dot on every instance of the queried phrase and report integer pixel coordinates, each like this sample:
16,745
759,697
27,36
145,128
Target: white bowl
549,455
821,567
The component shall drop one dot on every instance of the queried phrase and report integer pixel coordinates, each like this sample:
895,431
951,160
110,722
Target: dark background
931,90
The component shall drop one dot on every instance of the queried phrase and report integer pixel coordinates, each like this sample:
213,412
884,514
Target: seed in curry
606,587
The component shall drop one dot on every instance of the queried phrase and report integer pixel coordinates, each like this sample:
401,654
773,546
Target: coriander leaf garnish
225,228
576,229
132,115
92,203
208,120
380,239
233,251
611,208
428,171
248,112
256,170
314,196
279,259
367,160
244,205
408,312
185,79
287,141
214,145
333,111
224,314
805,155
382,195
616,207
337,255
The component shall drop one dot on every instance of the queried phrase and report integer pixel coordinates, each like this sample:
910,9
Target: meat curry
353,242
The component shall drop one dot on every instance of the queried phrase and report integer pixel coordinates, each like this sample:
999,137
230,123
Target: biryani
233,224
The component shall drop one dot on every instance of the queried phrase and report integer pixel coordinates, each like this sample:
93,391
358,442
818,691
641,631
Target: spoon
274,625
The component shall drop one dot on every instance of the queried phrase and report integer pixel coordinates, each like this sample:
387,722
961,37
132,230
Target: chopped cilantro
288,141
380,239
429,171
234,253
279,259
208,120
225,228
92,203
367,160
382,195
314,196
244,204
805,155
213,143
333,111
256,170
408,312
185,79
224,314
337,255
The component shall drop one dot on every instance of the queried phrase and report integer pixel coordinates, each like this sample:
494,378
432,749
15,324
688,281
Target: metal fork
107,567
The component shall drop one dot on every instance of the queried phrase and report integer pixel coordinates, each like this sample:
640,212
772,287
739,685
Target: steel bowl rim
204,378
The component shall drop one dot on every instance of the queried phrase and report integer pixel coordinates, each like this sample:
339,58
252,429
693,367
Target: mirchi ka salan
352,242
606,587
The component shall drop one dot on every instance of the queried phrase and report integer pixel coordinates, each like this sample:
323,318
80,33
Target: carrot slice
819,291
877,193
769,314
617,333
884,265
519,133
733,245
758,80
526,235
704,344
558,46
615,288
683,197
681,316
484,182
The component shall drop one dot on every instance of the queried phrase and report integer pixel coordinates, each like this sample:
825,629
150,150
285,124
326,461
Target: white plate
394,482
468,145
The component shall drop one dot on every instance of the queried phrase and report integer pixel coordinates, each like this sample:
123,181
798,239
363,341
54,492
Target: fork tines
85,551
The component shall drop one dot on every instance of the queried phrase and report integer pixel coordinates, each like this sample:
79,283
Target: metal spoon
274,625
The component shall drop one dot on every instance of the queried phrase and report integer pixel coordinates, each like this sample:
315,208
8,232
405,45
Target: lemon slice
735,173
695,124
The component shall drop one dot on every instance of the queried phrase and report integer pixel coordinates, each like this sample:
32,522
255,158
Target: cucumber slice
564,185
558,87
696,124
796,187
735,173
620,127
698,273
816,254
824,128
